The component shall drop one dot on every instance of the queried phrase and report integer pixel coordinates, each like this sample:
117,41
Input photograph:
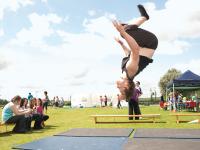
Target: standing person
180,102
62,102
137,86
105,100
101,100
139,53
45,101
30,97
133,104
118,102
11,114
54,101
57,101
197,103
162,101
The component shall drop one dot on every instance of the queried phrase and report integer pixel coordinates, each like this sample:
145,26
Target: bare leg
140,20
137,22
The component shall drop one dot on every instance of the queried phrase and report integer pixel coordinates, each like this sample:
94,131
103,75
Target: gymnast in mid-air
141,47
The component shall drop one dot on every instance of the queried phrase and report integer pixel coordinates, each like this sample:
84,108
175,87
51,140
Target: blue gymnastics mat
97,132
161,144
168,133
75,143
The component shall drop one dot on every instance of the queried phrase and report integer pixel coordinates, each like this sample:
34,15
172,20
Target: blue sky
67,47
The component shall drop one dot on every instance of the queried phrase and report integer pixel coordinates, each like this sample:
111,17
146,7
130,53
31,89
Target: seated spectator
11,114
39,109
23,104
35,116
33,104
165,105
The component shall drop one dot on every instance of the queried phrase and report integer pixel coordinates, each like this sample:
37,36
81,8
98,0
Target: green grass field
62,119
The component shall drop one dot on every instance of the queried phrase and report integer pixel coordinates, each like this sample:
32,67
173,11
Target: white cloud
178,21
192,65
41,28
95,43
13,5
1,32
173,48
66,19
3,65
45,1
82,74
92,12
101,25
75,62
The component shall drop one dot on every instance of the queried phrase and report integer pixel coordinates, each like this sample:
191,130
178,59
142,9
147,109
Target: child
39,109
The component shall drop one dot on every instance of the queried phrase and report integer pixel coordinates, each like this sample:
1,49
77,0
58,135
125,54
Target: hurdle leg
177,119
154,121
95,120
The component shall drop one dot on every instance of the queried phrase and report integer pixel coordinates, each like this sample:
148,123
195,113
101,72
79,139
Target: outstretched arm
132,65
126,49
134,47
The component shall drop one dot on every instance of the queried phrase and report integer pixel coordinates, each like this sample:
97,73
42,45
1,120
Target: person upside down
139,53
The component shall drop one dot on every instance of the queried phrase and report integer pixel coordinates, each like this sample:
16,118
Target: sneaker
143,11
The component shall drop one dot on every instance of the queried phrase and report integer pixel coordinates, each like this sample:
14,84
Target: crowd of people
103,101
58,102
22,111
177,102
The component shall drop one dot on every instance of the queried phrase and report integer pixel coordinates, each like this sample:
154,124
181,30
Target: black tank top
143,62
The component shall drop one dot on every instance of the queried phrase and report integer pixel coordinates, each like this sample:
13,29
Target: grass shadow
4,134
50,127
47,127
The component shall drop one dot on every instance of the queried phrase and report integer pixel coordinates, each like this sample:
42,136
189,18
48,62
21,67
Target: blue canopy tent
187,81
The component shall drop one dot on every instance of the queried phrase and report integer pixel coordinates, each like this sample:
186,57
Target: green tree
168,77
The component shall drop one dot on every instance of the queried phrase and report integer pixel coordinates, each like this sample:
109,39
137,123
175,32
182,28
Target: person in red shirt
39,109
